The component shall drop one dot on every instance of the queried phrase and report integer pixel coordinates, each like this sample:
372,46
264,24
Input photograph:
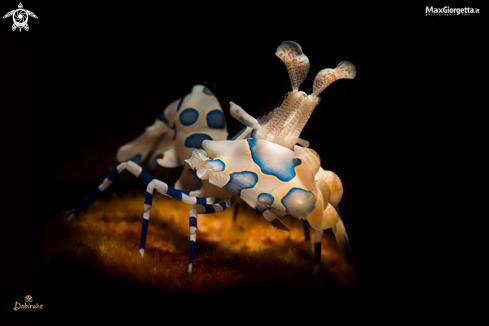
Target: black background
84,81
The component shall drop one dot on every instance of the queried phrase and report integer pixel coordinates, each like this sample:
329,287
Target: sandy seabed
97,256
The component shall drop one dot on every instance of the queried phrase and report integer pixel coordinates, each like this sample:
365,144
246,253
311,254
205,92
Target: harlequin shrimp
262,165
176,132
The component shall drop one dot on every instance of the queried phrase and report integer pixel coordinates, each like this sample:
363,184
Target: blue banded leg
143,176
270,217
317,250
202,209
104,185
235,213
153,184
165,189
131,166
307,234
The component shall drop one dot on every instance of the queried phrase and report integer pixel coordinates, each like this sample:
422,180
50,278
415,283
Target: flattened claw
328,76
158,136
295,60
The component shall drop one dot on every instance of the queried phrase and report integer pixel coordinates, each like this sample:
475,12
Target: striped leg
104,185
164,189
144,177
307,234
160,186
269,216
202,209
235,213
317,250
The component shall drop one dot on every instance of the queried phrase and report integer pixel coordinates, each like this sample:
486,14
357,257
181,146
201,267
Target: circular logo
20,18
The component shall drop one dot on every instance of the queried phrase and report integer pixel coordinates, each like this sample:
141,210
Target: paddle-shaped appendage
296,62
328,76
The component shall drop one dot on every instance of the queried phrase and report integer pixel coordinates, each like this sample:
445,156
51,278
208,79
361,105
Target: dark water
102,82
